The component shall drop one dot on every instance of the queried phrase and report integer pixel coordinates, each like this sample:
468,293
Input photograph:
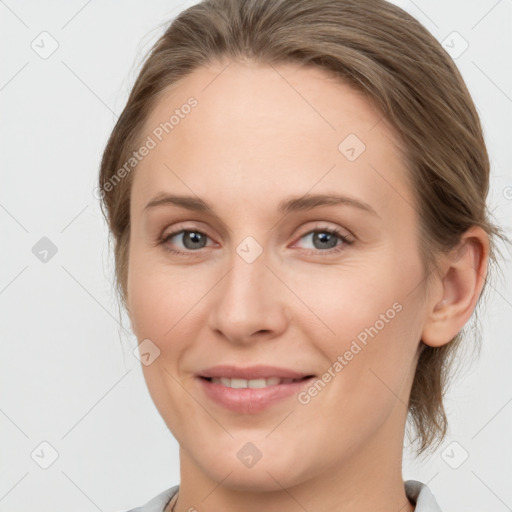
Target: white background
67,373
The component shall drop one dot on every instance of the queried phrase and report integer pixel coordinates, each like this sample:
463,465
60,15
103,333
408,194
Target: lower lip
250,400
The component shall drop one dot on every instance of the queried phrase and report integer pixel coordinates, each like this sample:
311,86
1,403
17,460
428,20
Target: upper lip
251,372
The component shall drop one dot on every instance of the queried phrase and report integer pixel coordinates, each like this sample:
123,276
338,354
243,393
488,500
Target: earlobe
461,281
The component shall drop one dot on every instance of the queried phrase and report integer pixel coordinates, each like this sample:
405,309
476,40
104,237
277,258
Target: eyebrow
293,204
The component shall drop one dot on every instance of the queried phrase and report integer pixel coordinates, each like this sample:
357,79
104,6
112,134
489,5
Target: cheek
347,300
158,297
161,304
367,315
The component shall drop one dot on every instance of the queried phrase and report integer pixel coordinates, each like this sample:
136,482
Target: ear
461,280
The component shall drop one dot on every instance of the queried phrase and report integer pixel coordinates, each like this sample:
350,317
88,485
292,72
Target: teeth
238,383
251,383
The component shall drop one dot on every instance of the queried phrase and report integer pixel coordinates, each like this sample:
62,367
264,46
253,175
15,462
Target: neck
369,479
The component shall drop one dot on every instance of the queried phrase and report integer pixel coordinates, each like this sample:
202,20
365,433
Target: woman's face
262,290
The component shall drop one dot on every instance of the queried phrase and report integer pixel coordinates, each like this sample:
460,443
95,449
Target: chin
278,466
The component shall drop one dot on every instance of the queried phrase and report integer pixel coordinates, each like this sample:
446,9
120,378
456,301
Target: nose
249,303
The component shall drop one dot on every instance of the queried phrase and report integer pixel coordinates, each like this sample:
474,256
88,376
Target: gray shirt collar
418,493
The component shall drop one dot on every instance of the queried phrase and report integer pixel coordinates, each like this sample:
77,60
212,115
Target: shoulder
158,503
419,494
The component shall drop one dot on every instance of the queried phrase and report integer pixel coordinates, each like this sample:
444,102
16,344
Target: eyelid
320,226
177,228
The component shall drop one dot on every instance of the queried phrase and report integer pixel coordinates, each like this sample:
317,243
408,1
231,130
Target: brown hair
380,50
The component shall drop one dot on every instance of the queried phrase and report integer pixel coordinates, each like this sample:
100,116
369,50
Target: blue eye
325,240
191,239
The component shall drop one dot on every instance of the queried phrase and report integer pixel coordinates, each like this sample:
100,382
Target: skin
260,135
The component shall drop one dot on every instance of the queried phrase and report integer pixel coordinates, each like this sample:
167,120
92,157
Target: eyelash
331,231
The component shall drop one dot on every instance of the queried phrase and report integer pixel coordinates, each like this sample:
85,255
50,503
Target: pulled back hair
381,51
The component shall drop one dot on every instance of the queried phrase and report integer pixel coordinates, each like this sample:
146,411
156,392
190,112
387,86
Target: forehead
259,131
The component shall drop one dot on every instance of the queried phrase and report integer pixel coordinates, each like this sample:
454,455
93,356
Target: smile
250,390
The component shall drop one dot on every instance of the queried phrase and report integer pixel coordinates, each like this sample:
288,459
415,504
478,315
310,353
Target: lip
251,400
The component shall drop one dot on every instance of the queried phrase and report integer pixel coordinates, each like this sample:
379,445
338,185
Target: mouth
251,390
253,383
